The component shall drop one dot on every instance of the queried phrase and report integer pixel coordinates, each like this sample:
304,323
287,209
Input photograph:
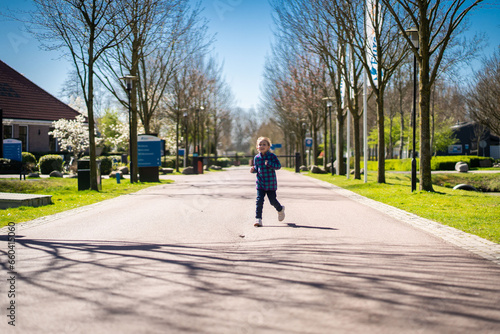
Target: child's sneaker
281,214
258,222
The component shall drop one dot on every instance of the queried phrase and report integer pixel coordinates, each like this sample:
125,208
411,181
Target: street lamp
329,104
129,81
185,115
304,132
412,33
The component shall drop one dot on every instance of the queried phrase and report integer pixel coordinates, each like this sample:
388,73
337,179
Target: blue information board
12,149
148,151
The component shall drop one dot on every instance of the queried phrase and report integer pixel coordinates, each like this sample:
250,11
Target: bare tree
483,98
386,50
438,24
85,30
307,33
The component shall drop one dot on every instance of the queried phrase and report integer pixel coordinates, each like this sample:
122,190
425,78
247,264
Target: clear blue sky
244,35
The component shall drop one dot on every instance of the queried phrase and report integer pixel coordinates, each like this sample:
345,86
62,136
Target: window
7,131
52,142
23,137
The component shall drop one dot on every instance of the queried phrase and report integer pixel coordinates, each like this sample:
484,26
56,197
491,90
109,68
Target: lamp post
129,81
304,133
185,115
329,104
413,35
177,139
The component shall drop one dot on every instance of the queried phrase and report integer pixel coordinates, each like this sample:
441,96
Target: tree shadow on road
228,285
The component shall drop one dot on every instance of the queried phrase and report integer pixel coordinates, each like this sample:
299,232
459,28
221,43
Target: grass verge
65,195
472,212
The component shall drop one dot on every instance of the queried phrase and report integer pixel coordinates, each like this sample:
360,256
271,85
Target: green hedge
449,162
223,162
169,162
50,162
29,161
437,163
106,165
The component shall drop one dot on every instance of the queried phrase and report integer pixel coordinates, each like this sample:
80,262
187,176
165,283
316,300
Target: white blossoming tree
119,136
72,135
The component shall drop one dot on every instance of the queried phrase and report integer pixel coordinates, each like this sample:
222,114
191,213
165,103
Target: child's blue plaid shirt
266,175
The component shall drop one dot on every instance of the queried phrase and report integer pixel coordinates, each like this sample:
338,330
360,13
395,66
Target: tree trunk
357,145
90,109
425,133
424,103
381,137
339,142
133,102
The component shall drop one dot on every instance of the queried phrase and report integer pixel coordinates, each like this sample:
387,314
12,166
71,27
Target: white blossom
72,135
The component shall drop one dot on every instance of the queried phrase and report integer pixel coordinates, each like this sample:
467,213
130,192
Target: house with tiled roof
28,111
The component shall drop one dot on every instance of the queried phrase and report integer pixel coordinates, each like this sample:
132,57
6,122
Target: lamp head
129,81
412,33
329,101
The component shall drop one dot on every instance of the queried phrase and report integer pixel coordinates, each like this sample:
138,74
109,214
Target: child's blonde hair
263,138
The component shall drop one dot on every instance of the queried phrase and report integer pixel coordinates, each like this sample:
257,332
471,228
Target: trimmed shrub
106,165
448,162
223,162
29,161
168,162
7,165
244,161
50,162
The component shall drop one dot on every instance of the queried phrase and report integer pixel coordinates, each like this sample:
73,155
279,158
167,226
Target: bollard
297,162
118,177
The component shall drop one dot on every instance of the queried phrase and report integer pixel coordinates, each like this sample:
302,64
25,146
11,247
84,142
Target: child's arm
273,162
254,169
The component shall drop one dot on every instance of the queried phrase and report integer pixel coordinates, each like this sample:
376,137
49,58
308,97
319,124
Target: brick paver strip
479,246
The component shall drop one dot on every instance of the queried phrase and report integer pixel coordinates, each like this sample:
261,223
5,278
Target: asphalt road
185,258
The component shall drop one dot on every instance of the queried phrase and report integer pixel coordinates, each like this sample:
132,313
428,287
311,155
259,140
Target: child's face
263,146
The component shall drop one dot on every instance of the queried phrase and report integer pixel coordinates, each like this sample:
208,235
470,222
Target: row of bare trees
162,43
321,50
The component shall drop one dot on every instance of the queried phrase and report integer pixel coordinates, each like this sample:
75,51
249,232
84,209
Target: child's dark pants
271,195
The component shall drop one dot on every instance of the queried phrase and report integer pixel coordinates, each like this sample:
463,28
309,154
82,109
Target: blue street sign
148,151
309,142
12,149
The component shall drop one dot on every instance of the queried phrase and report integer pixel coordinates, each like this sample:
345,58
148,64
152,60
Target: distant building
474,139
28,111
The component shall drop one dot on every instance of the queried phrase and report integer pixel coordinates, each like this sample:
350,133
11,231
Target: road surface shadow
293,225
217,285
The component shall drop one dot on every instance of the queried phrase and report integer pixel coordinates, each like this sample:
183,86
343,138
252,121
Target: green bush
50,162
10,165
168,162
223,162
106,165
449,162
399,164
29,161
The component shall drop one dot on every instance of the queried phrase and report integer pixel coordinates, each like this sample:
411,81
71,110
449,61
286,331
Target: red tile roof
22,99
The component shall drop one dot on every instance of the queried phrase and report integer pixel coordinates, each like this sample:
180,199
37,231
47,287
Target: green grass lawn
65,195
472,212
